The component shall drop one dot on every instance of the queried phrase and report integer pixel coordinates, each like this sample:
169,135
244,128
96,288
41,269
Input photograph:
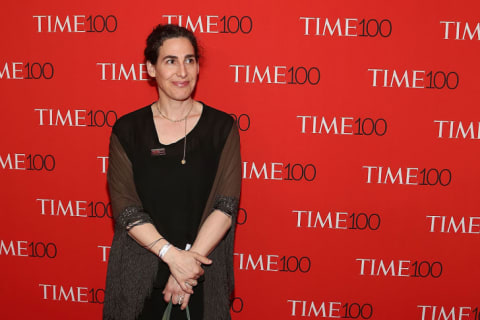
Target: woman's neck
174,109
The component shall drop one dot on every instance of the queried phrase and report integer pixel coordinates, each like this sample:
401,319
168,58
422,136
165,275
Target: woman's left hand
185,266
174,292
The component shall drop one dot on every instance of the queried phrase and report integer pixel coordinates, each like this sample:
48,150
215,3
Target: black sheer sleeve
226,187
225,194
131,269
126,205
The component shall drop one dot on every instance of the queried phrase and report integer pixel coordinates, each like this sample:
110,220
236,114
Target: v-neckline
154,127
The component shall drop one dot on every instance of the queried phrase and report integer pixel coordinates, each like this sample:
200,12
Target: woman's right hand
174,293
185,267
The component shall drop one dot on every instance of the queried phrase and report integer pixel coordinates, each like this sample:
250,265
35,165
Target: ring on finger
180,299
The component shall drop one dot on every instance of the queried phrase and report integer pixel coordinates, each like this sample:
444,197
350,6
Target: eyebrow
175,57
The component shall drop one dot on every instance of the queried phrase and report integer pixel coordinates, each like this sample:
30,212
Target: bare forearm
211,232
145,235
185,266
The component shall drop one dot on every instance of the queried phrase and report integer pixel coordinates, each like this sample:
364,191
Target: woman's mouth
181,84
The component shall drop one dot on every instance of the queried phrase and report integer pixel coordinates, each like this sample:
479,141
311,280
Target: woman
174,180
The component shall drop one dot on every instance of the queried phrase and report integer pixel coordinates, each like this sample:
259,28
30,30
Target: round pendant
184,161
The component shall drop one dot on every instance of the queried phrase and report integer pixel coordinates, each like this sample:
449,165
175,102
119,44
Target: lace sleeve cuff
228,205
133,216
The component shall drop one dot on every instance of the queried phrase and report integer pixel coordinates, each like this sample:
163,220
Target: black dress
174,195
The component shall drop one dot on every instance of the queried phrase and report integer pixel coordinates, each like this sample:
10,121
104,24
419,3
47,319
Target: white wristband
164,250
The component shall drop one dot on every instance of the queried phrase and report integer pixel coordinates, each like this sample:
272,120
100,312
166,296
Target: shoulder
128,122
130,126
217,125
217,118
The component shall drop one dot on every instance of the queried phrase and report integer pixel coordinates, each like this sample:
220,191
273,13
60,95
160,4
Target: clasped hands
185,268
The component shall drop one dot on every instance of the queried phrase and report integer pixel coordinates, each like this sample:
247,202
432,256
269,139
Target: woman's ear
151,69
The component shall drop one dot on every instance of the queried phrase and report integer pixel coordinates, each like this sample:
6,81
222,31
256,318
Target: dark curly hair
164,32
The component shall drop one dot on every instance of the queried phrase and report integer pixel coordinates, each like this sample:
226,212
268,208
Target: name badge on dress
157,152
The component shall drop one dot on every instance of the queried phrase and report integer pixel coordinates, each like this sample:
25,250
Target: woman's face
176,69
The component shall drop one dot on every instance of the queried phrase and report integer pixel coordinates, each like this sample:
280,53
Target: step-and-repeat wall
360,130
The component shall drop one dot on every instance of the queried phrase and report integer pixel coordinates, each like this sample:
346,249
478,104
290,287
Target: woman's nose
182,70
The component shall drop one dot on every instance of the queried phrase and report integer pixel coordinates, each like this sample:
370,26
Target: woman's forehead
176,47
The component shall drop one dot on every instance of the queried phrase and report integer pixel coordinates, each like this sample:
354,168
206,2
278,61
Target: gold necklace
184,160
171,120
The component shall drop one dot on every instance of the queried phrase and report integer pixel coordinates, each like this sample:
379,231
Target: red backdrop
359,126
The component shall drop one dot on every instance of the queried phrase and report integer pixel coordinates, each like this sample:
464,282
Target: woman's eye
190,60
170,61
